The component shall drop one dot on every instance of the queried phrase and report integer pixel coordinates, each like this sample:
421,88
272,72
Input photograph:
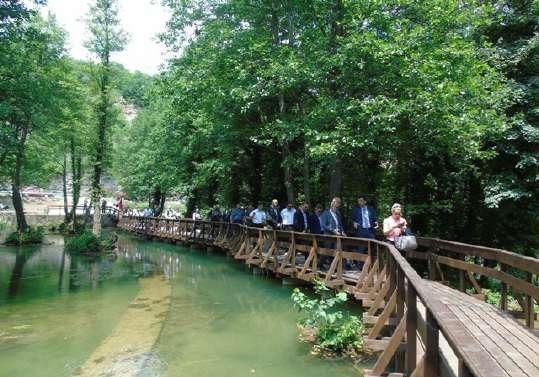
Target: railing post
411,329
503,290
401,291
432,265
463,370
431,346
400,361
530,311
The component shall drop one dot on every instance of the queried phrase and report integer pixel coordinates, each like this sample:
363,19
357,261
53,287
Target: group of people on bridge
320,221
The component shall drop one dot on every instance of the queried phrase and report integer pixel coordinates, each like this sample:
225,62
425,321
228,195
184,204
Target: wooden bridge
419,326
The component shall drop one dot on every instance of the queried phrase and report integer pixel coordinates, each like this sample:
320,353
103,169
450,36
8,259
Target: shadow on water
22,255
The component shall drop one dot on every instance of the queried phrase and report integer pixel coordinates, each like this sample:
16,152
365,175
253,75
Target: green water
55,309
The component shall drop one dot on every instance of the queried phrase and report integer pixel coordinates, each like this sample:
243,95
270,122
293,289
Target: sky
141,19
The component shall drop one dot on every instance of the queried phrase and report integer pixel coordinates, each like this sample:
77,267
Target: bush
29,236
86,242
334,330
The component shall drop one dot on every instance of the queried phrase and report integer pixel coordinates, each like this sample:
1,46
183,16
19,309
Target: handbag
406,242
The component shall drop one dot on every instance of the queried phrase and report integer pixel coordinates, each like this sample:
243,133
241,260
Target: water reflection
153,261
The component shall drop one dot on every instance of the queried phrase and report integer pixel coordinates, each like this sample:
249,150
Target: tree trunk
22,225
96,229
64,189
290,195
157,201
306,175
161,204
286,144
100,146
3,157
76,167
335,184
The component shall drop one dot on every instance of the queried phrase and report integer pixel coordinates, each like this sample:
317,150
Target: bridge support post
431,346
463,370
411,330
529,310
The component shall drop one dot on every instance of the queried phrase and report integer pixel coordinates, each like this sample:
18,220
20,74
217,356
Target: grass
28,237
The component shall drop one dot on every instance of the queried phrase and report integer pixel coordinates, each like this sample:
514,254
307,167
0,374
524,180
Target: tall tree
106,38
31,92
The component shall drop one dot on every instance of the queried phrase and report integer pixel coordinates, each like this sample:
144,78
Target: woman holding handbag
394,225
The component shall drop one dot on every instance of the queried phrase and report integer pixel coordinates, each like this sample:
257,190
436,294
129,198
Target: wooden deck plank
495,330
520,346
497,353
504,319
507,346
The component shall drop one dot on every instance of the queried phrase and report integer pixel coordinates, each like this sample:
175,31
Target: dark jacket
215,215
314,224
356,216
299,221
275,215
328,222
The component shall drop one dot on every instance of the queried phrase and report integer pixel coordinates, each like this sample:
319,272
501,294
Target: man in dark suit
364,218
365,221
331,219
301,218
315,224
274,213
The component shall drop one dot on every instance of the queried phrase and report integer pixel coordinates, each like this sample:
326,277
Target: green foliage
494,297
335,330
86,242
29,236
432,104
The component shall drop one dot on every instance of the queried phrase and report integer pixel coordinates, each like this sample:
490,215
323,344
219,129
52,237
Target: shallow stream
154,309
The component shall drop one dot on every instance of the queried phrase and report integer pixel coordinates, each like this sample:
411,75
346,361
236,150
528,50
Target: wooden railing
397,300
109,210
516,274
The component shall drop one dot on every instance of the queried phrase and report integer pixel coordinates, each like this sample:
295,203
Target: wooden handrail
509,258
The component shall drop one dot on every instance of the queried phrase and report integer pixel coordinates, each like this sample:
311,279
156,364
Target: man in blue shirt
237,215
287,215
258,216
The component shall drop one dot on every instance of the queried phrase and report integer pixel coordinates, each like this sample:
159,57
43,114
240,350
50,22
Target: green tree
106,38
31,72
512,189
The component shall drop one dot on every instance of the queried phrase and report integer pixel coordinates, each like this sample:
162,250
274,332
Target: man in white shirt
258,216
287,214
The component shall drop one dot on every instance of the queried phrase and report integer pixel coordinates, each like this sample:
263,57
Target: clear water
222,320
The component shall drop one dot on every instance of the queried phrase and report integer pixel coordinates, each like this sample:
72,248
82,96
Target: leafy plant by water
324,325
29,236
88,243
